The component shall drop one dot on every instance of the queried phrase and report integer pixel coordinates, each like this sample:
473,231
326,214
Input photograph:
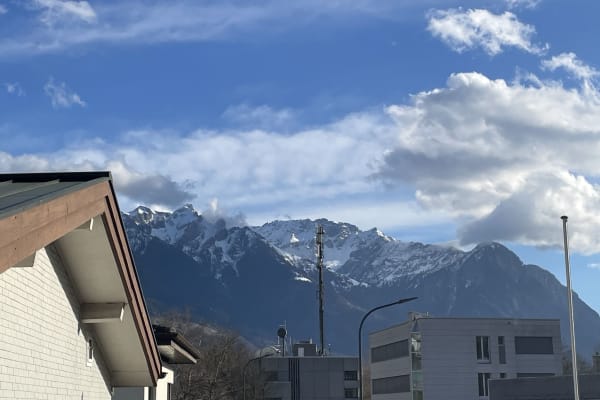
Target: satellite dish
282,332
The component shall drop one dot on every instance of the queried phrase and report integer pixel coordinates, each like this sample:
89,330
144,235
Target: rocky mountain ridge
254,278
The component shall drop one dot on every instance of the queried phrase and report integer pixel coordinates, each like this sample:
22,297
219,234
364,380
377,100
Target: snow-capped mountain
254,278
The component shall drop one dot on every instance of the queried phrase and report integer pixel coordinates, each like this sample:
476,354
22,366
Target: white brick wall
42,349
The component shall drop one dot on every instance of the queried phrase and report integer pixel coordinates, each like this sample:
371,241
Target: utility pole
319,240
570,302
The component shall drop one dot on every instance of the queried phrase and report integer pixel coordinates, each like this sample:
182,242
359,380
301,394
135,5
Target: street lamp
261,356
360,385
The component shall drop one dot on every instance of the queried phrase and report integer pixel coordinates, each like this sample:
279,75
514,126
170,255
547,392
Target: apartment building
454,358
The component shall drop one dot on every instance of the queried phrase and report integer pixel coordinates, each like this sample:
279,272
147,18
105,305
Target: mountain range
253,279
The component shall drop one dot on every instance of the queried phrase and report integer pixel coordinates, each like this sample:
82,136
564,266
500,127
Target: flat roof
467,318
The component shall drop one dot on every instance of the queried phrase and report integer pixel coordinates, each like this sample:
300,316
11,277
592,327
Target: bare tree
218,373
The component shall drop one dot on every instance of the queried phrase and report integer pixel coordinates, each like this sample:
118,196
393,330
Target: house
73,322
308,376
174,349
453,358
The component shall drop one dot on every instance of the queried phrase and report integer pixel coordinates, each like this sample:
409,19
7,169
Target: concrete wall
550,388
320,378
42,346
449,357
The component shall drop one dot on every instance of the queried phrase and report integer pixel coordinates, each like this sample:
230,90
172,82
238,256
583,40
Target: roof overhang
83,221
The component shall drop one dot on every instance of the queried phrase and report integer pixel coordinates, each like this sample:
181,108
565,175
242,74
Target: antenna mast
319,240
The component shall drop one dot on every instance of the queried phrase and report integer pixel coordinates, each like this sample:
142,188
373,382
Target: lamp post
570,303
261,356
360,385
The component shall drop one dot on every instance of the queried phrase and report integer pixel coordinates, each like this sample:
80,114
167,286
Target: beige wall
42,349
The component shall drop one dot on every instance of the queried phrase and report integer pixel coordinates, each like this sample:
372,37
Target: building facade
73,322
307,376
454,358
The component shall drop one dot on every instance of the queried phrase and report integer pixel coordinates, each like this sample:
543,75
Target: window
501,350
390,351
415,351
90,352
483,348
271,376
393,384
351,393
482,380
350,375
502,375
417,395
534,345
417,380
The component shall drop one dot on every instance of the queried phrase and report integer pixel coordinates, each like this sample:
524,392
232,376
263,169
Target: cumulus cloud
61,96
507,160
503,160
58,11
14,88
476,28
151,189
572,65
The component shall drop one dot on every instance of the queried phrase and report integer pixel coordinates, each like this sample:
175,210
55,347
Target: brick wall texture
42,345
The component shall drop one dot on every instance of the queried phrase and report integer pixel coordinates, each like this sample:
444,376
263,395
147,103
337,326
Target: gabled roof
39,209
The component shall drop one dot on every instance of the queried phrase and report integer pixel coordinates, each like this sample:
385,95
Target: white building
73,323
453,358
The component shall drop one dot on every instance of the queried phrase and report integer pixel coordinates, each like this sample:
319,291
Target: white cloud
465,30
261,117
244,169
507,160
3,9
571,64
60,11
14,88
502,160
61,96
594,265
130,22
522,3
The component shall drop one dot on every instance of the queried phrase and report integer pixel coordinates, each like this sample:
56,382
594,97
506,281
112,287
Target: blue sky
438,121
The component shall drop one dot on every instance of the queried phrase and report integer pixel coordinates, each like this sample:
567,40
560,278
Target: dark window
482,380
350,375
483,348
501,350
533,374
393,384
417,395
390,351
271,376
416,362
534,345
502,375
351,393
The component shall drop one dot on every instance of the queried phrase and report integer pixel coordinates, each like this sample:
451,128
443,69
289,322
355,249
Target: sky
434,120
